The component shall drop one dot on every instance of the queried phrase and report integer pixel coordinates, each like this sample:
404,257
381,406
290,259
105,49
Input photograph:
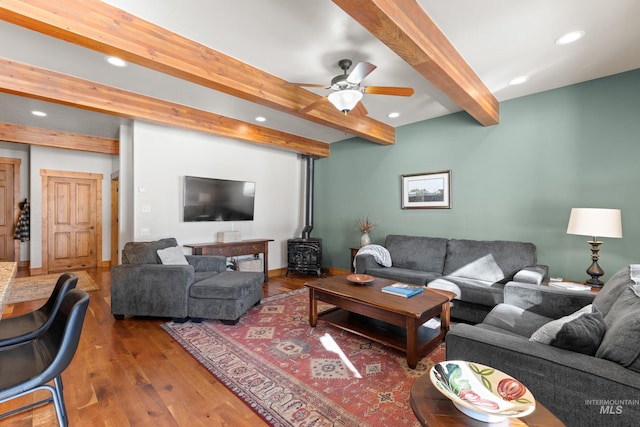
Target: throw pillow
620,343
172,256
612,290
581,331
583,334
485,268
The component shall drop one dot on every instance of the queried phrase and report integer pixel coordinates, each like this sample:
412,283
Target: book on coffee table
402,289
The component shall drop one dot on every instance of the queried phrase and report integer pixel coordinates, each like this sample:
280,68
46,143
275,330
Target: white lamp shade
345,100
595,222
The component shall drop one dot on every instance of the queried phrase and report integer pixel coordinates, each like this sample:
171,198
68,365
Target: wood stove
304,255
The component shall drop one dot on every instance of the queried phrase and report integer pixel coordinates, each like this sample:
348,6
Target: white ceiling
302,41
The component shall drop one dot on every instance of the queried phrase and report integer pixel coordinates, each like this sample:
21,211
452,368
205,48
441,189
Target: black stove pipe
308,219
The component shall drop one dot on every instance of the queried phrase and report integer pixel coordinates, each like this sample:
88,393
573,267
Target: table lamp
595,222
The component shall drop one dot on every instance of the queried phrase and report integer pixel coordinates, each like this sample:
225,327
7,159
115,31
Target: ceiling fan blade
314,105
360,71
388,90
359,110
305,84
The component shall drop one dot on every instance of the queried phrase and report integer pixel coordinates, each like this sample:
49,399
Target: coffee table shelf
381,332
387,319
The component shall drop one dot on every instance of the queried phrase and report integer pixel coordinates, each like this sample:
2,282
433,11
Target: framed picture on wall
431,190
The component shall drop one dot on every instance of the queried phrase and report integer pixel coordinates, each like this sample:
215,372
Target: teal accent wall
577,146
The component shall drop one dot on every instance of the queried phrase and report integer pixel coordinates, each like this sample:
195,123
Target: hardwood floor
132,373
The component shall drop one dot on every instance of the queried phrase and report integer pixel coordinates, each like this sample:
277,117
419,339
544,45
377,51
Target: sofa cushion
227,285
612,290
515,320
468,257
172,256
417,252
145,252
404,275
620,342
203,275
581,331
470,290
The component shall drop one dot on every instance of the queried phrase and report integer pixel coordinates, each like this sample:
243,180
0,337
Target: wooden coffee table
433,409
388,319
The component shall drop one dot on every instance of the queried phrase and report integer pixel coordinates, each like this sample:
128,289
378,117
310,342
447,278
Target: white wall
162,156
125,189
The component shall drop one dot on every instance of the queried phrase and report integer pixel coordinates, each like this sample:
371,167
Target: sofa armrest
546,300
364,262
535,274
151,289
207,262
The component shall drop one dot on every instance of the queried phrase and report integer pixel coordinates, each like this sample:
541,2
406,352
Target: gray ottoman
225,296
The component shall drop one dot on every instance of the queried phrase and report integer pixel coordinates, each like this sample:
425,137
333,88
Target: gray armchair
194,286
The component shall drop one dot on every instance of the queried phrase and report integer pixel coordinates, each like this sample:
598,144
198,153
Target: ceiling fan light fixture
345,100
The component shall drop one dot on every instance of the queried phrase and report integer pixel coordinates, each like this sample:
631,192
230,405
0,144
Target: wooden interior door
72,223
9,192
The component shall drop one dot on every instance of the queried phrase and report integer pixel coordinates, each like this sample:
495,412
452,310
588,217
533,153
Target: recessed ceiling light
115,61
261,119
393,115
570,37
518,80
39,113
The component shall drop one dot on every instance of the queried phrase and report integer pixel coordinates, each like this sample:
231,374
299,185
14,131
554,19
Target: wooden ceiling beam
24,80
104,28
405,27
10,132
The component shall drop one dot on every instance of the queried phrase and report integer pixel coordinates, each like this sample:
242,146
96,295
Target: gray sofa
190,286
476,271
588,374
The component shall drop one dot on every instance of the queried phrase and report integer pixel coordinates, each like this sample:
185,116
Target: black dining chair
25,327
31,365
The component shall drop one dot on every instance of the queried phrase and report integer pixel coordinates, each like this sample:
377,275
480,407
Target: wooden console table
231,249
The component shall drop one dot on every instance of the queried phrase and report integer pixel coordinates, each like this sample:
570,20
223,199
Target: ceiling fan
347,91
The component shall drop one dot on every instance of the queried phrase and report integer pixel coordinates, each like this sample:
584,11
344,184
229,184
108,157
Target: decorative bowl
360,279
481,392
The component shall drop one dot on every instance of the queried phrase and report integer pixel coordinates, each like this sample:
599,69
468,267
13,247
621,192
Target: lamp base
594,283
594,269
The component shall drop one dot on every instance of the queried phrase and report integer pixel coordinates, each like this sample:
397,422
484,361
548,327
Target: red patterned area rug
292,374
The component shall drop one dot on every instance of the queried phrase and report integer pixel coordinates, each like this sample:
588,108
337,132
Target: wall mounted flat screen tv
210,199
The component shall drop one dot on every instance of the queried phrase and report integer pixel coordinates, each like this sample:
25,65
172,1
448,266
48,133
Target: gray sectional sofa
180,286
587,371
476,271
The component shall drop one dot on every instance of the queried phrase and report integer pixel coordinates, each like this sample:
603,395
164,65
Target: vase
365,239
